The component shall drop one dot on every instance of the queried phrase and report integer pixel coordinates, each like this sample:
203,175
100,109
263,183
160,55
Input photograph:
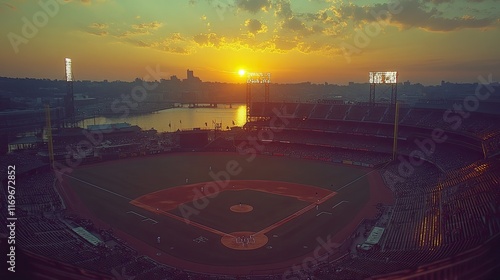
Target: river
180,118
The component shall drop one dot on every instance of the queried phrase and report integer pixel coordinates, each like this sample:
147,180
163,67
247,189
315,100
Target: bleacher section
320,111
414,123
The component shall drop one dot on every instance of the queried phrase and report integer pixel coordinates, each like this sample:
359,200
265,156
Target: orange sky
317,40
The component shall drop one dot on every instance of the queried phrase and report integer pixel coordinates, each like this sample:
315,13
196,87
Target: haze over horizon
297,41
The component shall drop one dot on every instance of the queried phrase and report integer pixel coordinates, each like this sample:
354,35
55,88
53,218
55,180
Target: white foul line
348,184
339,203
97,187
323,213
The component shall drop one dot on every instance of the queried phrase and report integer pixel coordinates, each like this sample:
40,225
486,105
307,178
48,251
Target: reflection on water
180,118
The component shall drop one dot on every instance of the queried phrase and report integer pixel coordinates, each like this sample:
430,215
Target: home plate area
244,240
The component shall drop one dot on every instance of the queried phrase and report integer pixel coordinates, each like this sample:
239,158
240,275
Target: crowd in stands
439,214
492,144
24,162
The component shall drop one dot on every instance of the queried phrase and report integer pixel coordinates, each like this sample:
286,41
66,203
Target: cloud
415,14
283,9
176,43
98,29
296,25
97,25
253,6
255,26
284,28
142,29
209,40
284,43
451,24
146,27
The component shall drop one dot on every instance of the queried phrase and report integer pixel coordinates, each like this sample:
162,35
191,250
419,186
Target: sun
242,72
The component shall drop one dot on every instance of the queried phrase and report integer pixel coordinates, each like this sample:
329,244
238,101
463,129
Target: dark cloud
208,39
175,43
415,14
255,26
283,9
253,6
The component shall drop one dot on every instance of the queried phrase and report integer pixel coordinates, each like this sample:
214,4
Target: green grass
133,178
268,209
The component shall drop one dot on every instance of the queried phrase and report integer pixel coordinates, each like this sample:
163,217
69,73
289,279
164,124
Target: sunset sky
296,40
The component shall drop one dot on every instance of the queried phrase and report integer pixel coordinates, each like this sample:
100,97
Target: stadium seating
447,205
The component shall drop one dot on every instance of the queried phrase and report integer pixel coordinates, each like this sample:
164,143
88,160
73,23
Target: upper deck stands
320,111
357,113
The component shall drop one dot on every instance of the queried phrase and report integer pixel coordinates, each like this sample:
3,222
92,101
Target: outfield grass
132,178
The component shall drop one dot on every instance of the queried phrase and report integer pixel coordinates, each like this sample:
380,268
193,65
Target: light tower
390,78
257,78
69,99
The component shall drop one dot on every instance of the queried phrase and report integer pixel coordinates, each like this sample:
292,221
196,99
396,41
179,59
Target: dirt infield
244,240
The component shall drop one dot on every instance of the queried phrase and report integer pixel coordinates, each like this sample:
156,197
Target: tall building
190,75
191,79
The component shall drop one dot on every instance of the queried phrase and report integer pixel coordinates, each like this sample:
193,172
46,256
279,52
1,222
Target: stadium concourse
445,222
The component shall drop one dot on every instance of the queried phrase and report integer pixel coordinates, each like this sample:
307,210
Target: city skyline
426,41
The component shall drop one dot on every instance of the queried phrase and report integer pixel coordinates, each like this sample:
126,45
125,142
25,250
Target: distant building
190,75
175,79
191,78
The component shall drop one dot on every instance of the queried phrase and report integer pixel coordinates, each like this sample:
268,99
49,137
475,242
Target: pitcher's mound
241,208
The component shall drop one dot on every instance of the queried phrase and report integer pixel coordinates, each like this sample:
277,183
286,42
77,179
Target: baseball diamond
264,218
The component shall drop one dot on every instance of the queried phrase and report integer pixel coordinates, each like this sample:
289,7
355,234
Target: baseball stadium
302,191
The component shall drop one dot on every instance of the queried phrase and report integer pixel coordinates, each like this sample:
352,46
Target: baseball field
224,212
